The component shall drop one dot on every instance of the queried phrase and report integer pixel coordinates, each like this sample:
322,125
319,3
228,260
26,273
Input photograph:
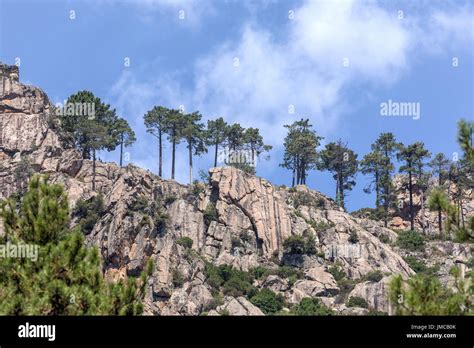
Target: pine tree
338,159
440,167
155,125
438,201
194,135
301,154
425,295
413,156
216,133
387,146
174,122
372,164
65,278
91,133
124,134
254,142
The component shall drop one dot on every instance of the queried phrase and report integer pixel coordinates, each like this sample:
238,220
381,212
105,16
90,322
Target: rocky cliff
235,219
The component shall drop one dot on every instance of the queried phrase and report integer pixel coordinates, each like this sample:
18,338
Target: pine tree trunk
440,223
173,157
93,170
293,179
121,151
215,154
160,170
190,162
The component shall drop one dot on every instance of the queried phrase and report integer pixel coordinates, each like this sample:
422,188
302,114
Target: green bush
178,278
140,204
268,301
310,306
210,213
419,267
337,272
356,301
374,276
89,212
470,263
411,240
353,237
185,242
232,281
259,272
301,198
299,245
170,199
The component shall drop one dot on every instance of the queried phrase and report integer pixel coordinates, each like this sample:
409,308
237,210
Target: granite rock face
235,219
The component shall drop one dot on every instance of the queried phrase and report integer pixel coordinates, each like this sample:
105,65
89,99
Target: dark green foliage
210,214
356,301
170,199
470,262
259,272
300,155
299,245
342,162
66,277
140,204
413,157
374,276
419,267
43,215
310,306
353,237
178,278
232,281
268,301
337,272
155,125
89,212
185,242
411,240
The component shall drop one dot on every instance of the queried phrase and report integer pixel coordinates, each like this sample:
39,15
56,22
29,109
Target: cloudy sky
260,63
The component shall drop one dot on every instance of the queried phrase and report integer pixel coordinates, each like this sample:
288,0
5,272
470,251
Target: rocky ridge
235,219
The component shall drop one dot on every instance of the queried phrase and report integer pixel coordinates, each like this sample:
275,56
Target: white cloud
302,67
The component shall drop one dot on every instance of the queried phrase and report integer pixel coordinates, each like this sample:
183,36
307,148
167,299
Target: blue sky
290,53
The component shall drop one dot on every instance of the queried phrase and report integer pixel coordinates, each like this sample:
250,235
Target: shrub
233,282
210,213
89,212
170,199
235,242
470,263
178,278
298,245
411,240
185,242
356,301
353,237
245,237
310,306
301,198
337,272
288,271
140,204
419,267
259,272
374,276
268,301
384,239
